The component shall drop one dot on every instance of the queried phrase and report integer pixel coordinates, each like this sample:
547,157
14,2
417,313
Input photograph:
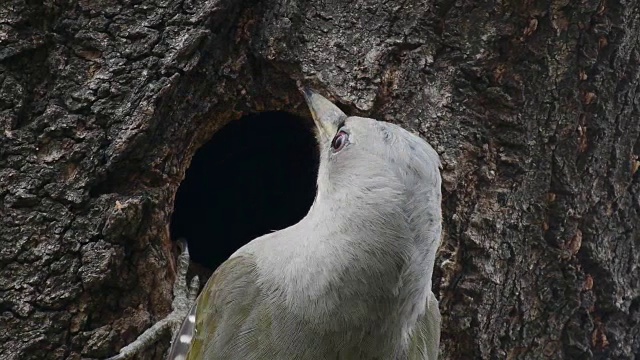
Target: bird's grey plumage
352,279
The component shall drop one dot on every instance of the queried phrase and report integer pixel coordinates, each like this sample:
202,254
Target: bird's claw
183,298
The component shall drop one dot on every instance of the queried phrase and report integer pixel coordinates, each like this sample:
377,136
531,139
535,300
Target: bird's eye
339,141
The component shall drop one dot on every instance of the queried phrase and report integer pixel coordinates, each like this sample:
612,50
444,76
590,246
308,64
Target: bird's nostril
255,175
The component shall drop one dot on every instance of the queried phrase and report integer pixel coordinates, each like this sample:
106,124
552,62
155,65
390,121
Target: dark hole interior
255,175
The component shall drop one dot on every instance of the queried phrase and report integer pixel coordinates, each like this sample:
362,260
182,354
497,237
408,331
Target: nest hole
256,175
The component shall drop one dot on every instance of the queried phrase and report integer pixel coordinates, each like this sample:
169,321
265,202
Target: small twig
183,298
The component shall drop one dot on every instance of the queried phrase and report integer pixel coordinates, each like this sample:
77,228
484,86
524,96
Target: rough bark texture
533,106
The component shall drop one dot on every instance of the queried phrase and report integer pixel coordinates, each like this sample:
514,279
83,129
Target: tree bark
533,107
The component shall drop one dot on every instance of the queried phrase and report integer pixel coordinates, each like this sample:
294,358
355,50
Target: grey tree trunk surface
532,105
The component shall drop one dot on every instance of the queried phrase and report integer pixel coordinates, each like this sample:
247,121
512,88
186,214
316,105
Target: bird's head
360,156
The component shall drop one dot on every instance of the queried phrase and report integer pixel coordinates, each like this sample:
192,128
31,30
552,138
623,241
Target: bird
350,280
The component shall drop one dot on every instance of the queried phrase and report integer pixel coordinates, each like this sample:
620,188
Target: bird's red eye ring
339,141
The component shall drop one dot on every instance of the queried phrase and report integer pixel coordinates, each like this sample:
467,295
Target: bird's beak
326,115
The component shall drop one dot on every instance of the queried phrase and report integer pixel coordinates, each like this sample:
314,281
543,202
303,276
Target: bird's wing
425,342
218,320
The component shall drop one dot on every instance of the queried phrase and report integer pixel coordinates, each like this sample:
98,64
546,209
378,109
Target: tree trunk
533,107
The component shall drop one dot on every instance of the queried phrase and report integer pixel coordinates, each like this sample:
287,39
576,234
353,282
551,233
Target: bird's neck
365,252
391,221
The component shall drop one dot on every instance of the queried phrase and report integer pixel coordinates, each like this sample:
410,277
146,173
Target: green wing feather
224,310
234,321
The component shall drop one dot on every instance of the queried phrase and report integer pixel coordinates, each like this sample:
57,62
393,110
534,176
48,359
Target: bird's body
351,280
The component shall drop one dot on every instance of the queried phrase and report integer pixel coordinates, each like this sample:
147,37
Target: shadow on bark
533,107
